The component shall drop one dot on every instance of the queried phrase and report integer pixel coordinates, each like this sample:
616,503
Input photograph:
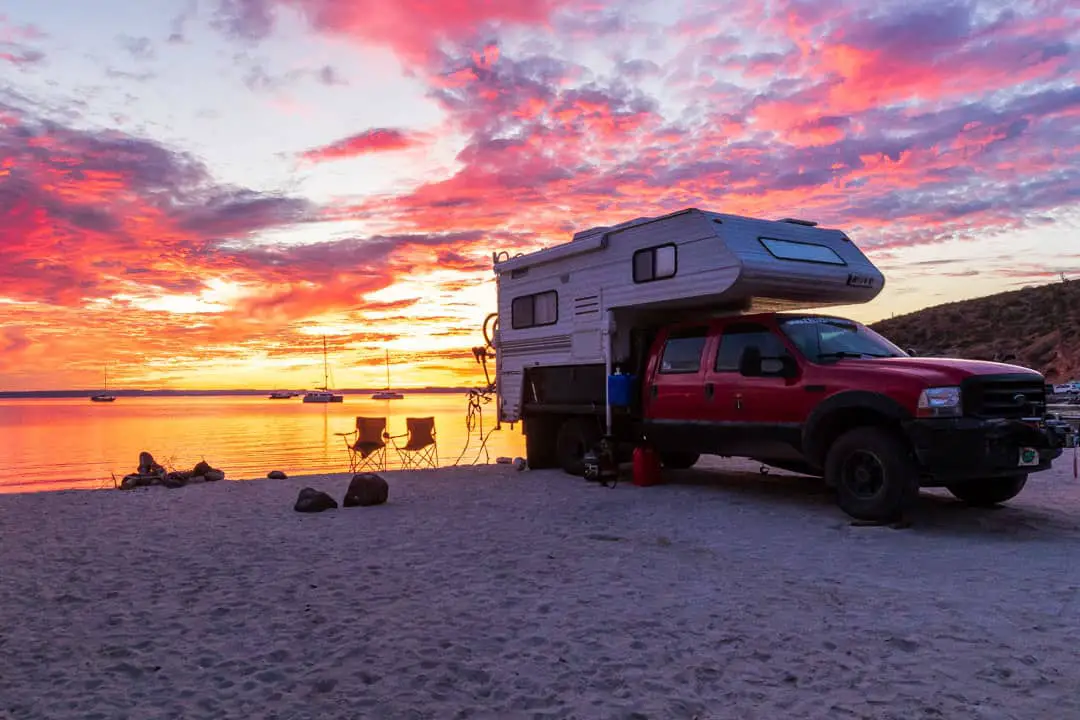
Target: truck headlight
940,402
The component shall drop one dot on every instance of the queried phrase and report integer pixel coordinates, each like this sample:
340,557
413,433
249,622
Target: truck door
755,416
674,397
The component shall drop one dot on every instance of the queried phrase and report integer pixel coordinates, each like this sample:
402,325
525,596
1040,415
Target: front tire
874,473
576,436
988,492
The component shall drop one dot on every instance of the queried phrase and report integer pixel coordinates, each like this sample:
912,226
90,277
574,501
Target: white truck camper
571,314
689,334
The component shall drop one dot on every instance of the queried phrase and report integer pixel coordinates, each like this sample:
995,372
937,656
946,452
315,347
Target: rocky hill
1038,327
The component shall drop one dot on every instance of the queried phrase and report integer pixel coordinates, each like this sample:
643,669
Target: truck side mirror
911,352
788,367
783,367
750,362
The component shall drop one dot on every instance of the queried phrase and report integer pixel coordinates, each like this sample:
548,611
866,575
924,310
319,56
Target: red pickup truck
827,397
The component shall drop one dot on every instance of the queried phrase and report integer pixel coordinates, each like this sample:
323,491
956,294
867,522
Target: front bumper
968,448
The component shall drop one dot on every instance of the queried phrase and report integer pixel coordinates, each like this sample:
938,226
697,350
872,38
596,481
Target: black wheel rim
863,474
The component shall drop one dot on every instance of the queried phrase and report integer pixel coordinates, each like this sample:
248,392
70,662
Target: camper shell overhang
758,265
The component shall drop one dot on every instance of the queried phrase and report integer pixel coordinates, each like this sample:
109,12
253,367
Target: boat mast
325,380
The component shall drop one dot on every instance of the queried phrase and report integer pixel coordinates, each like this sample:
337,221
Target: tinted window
801,251
521,312
820,337
664,262
546,308
682,352
534,310
643,261
654,263
737,338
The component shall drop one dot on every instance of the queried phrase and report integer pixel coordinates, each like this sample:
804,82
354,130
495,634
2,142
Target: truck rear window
801,251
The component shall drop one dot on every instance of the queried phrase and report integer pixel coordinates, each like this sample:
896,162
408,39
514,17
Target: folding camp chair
367,444
419,449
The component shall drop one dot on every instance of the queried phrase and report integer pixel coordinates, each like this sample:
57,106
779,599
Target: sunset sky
196,191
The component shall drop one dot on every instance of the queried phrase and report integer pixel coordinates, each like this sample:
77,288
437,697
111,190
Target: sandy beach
487,593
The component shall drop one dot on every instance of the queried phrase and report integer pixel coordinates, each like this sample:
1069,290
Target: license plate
1028,457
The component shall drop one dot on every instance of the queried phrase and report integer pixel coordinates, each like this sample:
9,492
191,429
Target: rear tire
576,436
988,492
675,460
540,440
874,473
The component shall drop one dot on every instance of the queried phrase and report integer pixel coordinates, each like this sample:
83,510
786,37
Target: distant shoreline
43,394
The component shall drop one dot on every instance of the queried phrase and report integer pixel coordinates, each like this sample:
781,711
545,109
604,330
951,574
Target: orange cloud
138,247
904,124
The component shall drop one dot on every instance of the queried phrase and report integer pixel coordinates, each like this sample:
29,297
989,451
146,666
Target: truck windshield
825,338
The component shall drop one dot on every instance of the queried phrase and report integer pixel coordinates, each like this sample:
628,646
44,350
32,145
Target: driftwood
150,472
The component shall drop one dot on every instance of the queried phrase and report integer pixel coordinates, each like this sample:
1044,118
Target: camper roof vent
797,221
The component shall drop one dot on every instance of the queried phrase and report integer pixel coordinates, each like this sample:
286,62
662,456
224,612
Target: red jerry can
646,467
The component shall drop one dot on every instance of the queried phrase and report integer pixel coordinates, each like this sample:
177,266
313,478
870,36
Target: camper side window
682,352
534,310
655,263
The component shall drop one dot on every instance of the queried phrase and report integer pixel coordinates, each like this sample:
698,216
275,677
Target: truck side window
534,310
682,351
738,337
655,263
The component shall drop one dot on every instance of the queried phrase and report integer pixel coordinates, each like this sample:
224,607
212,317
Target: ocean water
56,444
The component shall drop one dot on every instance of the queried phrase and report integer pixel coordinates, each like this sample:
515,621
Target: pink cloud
412,28
364,143
904,124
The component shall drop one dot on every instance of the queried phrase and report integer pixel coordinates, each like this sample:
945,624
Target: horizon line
222,391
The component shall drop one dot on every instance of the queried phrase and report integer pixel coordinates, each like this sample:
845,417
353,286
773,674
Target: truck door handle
709,390
652,389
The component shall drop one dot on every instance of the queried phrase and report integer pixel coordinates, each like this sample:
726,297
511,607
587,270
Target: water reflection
73,443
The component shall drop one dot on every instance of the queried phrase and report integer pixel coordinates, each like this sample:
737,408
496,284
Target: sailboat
323,394
104,396
387,394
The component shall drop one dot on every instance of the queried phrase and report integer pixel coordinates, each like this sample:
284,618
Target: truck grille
999,396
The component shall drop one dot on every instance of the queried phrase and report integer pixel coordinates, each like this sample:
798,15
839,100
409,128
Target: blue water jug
620,389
